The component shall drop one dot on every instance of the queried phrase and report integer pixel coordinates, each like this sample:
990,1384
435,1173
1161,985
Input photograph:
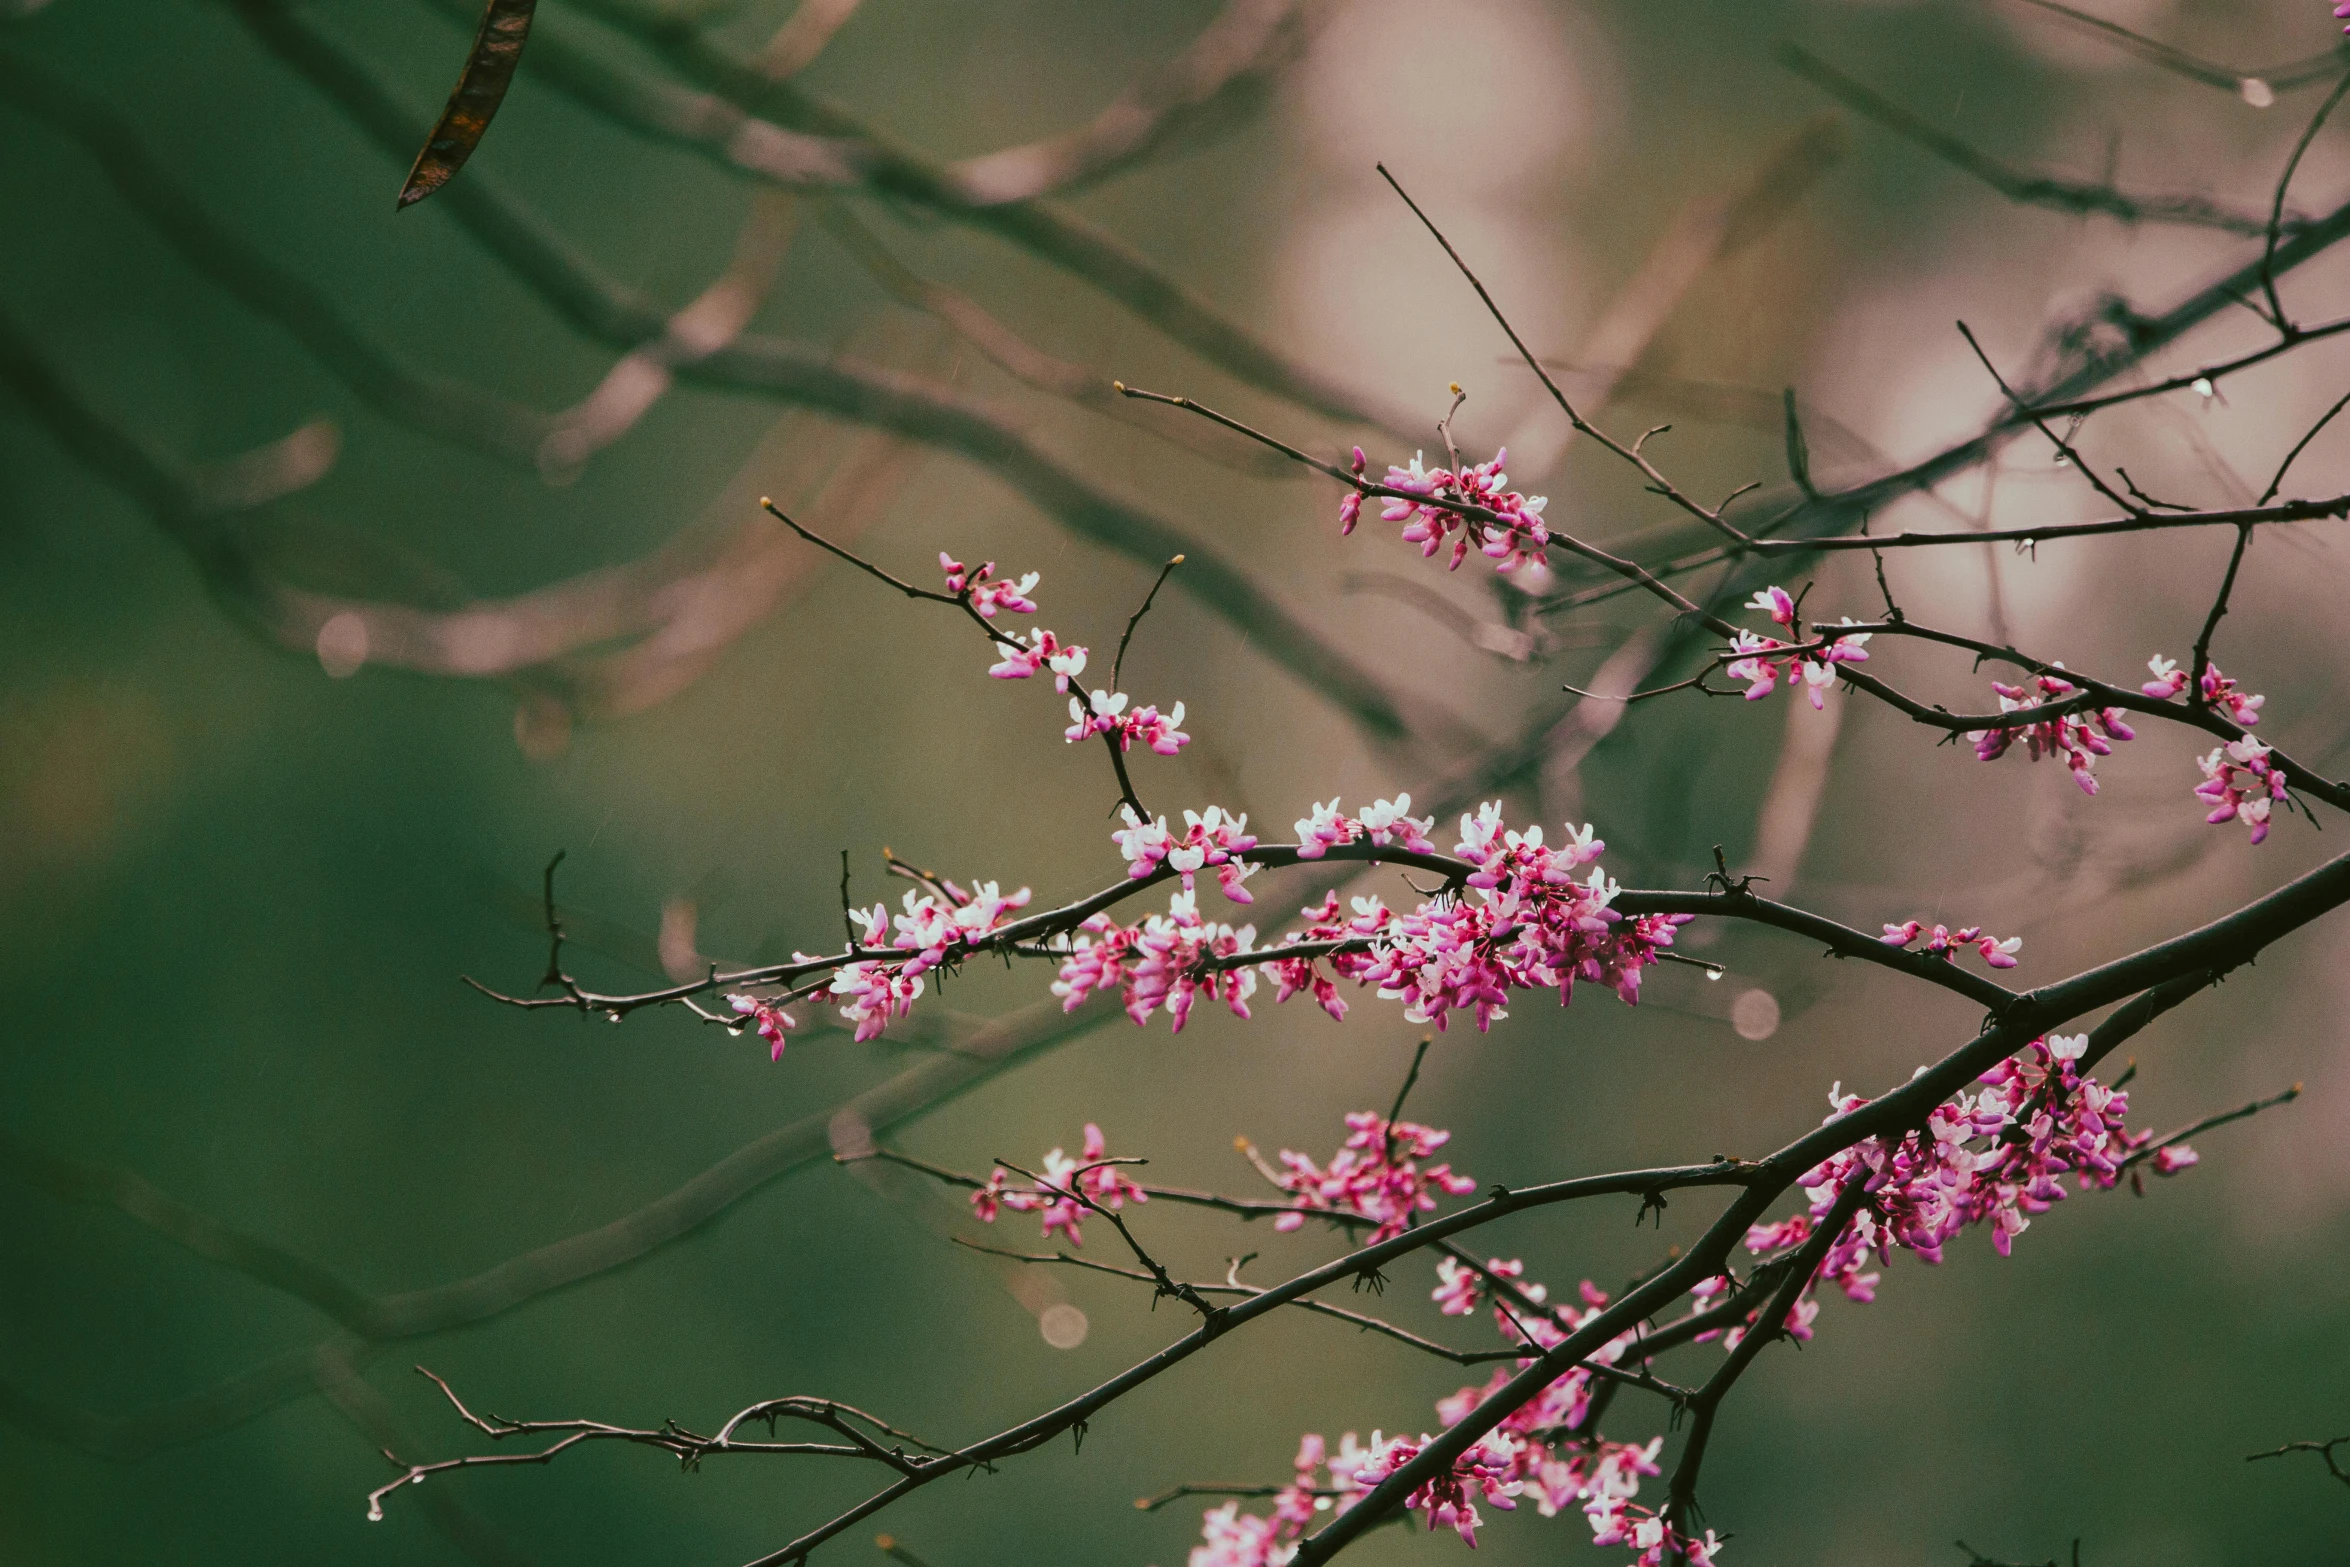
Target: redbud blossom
2239,782
1057,1189
1763,661
1375,1175
2217,690
1513,537
770,1021
986,596
1943,943
1993,1157
2068,735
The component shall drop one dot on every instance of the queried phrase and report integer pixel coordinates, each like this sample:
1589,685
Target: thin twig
1143,609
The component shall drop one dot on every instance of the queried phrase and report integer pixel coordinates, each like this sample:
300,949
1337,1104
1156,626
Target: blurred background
353,562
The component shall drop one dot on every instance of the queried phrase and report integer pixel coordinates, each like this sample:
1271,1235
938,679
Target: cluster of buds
1163,961
1062,1190
1513,536
1376,1175
1382,822
2079,737
2241,783
1763,661
1653,1539
1944,943
2217,691
1214,839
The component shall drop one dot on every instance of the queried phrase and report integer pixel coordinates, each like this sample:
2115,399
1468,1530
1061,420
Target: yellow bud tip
765,501
1119,386
1240,1142
1142,1504
1177,561
887,1542
1454,388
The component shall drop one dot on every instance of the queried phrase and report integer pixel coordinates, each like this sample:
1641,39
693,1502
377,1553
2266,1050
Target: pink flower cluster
1375,1175
2069,735
1160,962
2239,782
1058,1188
1555,1456
985,594
1232,1538
873,995
2218,691
1105,712
771,1021
940,923
1450,1499
1460,1287
1291,975
1762,661
1531,926
1513,537
1944,943
1996,1156
1215,839
1162,732
1041,651
1545,1449
1382,822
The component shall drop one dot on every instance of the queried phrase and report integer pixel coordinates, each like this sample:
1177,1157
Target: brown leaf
481,87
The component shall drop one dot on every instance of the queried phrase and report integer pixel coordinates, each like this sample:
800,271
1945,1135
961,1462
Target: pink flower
771,1022
1457,1286
1450,1499
1161,732
1214,839
986,596
1943,943
2069,735
1057,1190
1512,537
1776,603
1042,650
2239,782
1762,661
2217,690
1525,923
1994,1157
2173,1159
874,994
1375,1175
1161,962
